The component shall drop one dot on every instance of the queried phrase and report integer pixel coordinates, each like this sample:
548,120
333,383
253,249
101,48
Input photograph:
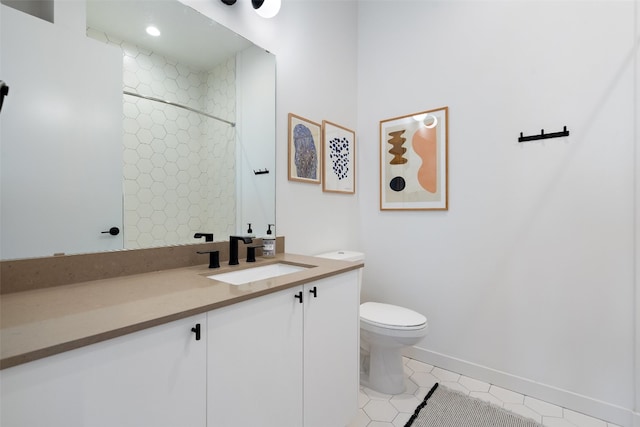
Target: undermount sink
247,275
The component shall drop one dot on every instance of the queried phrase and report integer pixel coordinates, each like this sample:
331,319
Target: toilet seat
390,316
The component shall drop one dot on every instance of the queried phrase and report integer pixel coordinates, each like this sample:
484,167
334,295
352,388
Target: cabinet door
331,346
155,377
255,362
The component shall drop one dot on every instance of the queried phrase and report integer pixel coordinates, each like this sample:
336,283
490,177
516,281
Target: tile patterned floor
383,410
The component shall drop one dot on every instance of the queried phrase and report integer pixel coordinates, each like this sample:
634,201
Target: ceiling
187,36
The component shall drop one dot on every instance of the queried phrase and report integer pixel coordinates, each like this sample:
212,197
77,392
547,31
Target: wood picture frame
414,175
338,158
305,150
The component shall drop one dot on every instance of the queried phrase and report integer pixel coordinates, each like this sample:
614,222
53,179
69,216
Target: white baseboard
595,408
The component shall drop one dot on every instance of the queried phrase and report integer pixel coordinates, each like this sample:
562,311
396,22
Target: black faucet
214,256
233,247
251,252
208,237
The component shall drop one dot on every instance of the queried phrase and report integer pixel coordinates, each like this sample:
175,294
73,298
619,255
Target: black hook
4,91
543,135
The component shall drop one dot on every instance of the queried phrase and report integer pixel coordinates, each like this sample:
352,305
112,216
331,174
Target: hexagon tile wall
179,166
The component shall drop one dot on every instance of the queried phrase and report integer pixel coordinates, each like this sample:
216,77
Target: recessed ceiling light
153,31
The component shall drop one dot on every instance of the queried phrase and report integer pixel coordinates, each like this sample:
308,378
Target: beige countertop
43,322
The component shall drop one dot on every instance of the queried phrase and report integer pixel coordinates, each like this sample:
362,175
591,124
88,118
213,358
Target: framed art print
305,157
413,161
338,159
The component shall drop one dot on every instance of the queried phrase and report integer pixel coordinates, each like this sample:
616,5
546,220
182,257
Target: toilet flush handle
314,292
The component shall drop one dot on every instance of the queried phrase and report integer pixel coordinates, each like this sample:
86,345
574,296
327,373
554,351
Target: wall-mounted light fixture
264,8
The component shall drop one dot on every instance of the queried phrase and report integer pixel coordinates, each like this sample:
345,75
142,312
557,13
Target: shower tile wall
179,166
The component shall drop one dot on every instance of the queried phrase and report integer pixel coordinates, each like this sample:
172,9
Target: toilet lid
391,315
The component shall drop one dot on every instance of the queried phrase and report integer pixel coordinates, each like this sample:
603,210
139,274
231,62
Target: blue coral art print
306,155
338,158
305,158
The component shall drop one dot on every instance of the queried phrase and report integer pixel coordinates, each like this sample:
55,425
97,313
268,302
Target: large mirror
106,127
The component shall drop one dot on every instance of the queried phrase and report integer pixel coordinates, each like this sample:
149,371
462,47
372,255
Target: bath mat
443,407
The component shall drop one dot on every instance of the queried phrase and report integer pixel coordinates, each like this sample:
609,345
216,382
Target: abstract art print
413,161
305,157
339,151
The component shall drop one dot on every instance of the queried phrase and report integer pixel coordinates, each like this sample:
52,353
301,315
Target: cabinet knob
196,330
299,296
314,292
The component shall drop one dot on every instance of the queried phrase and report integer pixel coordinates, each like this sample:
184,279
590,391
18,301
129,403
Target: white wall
637,223
315,43
255,74
528,279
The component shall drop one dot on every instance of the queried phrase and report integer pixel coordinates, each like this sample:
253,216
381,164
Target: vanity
134,332
178,348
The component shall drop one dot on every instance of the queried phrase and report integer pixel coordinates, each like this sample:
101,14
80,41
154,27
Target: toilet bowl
385,329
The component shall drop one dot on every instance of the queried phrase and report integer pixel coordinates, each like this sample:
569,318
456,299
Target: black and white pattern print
339,155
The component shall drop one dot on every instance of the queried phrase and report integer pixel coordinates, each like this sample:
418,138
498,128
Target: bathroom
528,279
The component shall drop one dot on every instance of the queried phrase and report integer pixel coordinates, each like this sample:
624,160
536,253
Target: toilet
385,329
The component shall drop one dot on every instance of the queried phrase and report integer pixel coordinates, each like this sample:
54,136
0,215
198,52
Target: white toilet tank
346,256
343,255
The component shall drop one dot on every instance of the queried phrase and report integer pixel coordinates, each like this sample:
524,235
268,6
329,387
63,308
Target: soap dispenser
269,243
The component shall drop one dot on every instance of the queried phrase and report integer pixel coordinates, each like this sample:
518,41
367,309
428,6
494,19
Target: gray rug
443,407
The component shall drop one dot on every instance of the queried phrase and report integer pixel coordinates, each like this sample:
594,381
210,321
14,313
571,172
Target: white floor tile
383,410
375,395
362,420
421,392
487,397
543,408
444,375
405,402
402,419
380,410
363,399
474,385
455,386
424,379
410,387
408,371
507,396
418,366
524,411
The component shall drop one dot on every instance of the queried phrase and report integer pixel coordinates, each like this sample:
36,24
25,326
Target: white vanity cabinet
154,377
283,359
279,361
331,350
